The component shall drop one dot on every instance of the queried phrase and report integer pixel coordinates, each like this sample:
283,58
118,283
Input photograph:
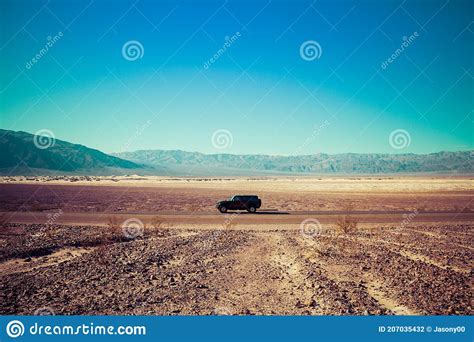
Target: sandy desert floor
63,249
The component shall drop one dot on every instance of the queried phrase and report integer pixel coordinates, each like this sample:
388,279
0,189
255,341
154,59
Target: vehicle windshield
231,198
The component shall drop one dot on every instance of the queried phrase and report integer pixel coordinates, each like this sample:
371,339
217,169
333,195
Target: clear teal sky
270,99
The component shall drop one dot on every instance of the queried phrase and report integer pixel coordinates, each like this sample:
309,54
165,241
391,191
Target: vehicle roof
245,195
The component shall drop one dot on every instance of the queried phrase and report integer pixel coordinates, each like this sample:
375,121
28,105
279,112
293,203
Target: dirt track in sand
208,220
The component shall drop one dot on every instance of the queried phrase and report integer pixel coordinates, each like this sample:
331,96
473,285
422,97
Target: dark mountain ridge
19,151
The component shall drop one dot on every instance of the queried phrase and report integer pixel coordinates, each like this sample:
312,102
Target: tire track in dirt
19,265
375,289
406,276
341,284
408,251
267,279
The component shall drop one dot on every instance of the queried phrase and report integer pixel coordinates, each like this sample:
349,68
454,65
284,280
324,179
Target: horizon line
249,154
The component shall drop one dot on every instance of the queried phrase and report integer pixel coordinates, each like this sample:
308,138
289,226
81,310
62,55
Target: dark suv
240,202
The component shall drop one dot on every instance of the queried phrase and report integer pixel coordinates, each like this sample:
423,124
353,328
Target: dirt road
274,220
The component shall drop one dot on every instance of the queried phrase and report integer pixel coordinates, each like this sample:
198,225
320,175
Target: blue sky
260,90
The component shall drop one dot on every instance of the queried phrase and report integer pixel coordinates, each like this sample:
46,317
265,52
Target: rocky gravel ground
75,270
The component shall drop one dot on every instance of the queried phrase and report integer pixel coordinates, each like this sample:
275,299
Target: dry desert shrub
156,222
347,225
114,231
107,236
113,222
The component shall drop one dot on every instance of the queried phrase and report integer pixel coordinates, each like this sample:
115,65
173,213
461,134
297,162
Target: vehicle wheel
223,209
252,209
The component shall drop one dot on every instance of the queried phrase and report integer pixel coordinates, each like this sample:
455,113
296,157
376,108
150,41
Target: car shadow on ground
259,213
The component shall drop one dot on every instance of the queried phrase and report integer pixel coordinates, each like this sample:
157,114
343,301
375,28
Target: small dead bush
114,231
347,225
156,222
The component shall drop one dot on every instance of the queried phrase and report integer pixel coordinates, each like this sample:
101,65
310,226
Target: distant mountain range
347,163
26,154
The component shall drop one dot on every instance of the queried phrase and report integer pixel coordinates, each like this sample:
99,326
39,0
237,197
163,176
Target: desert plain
318,246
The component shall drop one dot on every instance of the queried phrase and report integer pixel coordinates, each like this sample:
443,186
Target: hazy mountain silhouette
181,162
